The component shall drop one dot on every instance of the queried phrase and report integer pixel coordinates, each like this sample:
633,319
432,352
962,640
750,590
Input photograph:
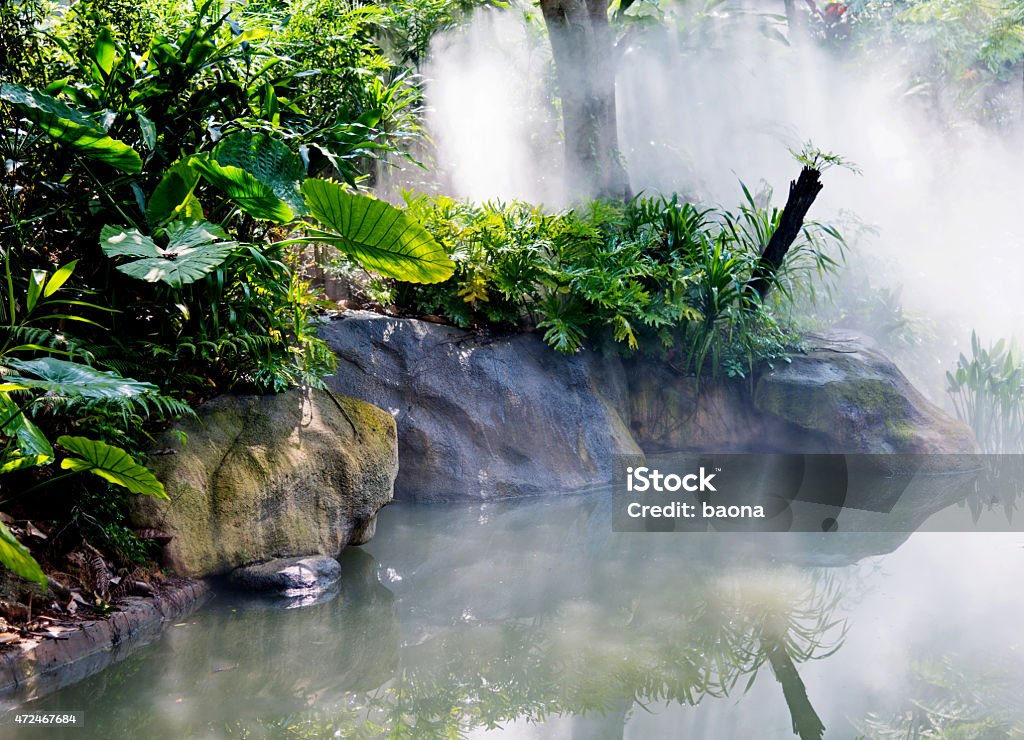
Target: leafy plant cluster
968,54
655,274
161,181
987,390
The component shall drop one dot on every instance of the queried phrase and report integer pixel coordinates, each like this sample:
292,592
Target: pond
533,619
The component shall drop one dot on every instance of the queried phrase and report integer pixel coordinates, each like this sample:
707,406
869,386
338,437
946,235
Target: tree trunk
802,193
582,45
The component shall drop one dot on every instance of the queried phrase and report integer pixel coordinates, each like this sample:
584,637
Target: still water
532,619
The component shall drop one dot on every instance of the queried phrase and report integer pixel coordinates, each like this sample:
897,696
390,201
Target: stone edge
33,669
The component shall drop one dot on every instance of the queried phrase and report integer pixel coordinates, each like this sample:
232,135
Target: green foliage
814,158
375,233
194,249
70,128
268,160
655,274
24,383
247,191
987,390
110,463
222,117
15,557
961,52
174,195
60,377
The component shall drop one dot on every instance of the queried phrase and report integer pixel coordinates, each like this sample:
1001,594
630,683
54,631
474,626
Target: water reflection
536,620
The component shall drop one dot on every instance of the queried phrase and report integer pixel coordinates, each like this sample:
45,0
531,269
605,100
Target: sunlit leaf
117,242
17,461
173,194
110,463
381,237
269,160
194,249
249,193
104,51
71,127
57,280
17,559
14,423
74,379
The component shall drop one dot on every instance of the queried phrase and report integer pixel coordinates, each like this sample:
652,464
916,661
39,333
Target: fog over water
944,193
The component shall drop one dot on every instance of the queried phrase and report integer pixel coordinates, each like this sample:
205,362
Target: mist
488,111
944,199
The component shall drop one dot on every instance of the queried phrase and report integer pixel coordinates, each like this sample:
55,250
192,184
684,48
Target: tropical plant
987,391
963,53
231,303
23,445
656,274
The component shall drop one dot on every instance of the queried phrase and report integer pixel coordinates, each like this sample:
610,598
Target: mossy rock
270,476
857,401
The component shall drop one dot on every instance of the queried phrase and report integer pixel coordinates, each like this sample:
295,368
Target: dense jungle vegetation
176,174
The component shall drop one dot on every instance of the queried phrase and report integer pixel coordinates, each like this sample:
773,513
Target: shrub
655,274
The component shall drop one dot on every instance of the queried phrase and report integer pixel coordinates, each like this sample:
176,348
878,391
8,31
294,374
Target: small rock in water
300,576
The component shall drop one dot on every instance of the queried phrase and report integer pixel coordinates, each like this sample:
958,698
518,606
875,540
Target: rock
40,667
842,396
263,477
671,412
483,418
847,394
292,576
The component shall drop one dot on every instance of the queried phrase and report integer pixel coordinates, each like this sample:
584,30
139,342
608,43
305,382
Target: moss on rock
262,477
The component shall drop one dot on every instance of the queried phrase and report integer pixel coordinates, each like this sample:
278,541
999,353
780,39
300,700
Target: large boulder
840,396
847,394
270,476
484,417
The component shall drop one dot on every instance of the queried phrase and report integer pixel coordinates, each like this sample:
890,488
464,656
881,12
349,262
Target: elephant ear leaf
117,242
70,127
269,160
173,196
194,249
250,194
381,237
110,463
16,557
65,378
13,423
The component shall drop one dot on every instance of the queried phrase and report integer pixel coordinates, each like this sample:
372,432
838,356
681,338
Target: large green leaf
110,463
17,461
71,127
173,197
252,196
269,160
16,557
74,379
380,236
194,249
14,423
117,242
